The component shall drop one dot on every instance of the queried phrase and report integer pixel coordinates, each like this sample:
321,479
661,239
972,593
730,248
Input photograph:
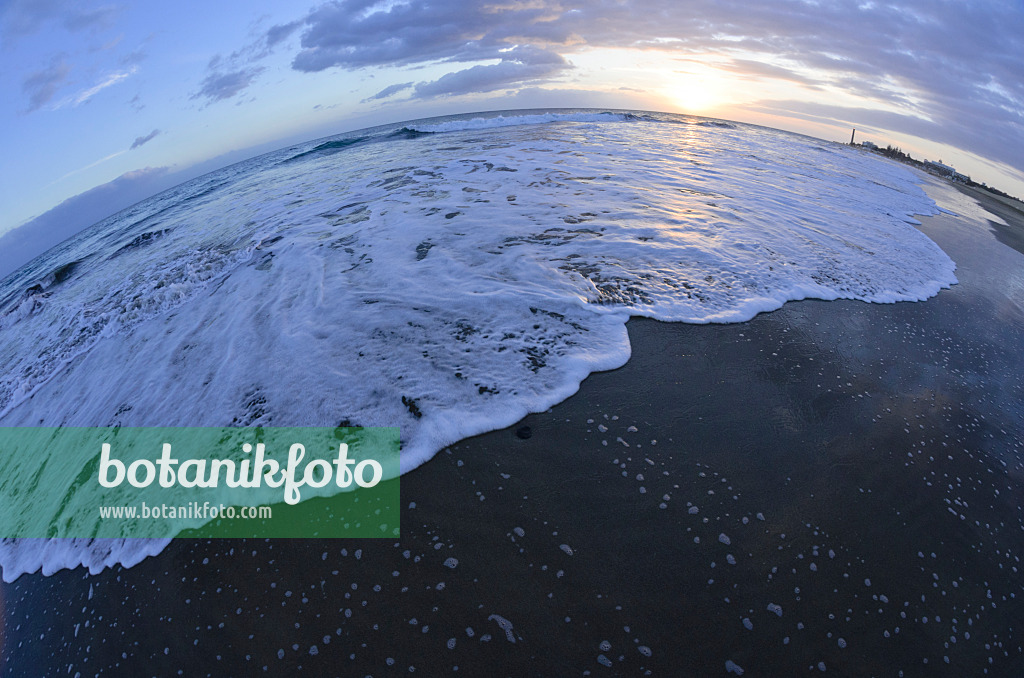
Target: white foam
448,284
514,120
24,556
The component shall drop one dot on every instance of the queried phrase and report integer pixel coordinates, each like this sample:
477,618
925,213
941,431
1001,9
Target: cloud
388,91
362,34
521,65
849,115
85,95
964,133
755,70
143,139
279,33
555,97
42,85
218,86
956,65
99,17
37,235
21,18
133,58
228,76
24,17
357,34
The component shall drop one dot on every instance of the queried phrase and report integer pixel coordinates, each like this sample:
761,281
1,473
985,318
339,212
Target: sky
103,103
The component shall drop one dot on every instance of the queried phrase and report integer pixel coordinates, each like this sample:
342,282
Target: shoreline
847,435
1009,210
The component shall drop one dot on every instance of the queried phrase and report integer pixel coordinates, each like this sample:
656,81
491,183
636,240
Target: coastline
1009,210
863,434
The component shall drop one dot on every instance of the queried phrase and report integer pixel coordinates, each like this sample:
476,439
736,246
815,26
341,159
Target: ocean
447,276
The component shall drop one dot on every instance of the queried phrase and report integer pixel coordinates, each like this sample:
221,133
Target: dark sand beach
834,486
1009,210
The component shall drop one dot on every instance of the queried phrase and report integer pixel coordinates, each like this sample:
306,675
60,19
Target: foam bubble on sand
505,625
733,667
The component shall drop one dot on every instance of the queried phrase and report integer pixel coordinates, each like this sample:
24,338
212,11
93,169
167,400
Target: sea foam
447,282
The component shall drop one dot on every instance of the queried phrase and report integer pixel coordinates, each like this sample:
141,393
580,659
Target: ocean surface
447,276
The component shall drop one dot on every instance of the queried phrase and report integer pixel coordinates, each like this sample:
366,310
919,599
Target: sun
695,93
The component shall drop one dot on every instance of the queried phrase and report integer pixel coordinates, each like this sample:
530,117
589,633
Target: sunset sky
103,104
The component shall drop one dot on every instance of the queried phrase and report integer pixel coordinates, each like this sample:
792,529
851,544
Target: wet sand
834,485
1009,210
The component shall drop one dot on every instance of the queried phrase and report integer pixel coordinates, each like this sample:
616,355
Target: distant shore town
935,167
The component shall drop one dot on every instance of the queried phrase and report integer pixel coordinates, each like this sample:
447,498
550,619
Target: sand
1009,210
834,485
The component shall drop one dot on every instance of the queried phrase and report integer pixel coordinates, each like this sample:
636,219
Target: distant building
940,169
868,145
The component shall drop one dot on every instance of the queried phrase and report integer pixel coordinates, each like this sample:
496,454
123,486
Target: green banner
199,482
